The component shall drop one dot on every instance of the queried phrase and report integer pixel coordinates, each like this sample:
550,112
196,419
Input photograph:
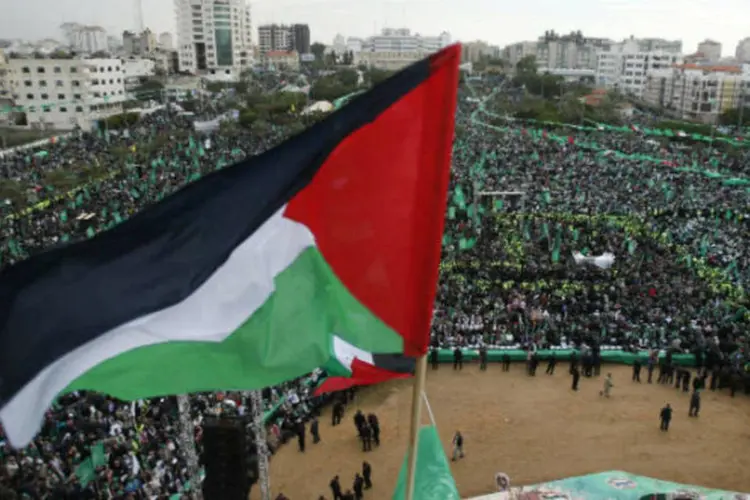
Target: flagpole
416,414
187,445
261,447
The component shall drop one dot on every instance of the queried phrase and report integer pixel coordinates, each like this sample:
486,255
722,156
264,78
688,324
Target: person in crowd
665,416
458,446
458,359
314,430
359,420
576,377
506,362
637,370
358,486
551,362
483,357
337,412
608,384
335,486
367,474
365,434
374,423
695,404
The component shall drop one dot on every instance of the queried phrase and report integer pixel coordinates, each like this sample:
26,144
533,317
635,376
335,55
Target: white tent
318,107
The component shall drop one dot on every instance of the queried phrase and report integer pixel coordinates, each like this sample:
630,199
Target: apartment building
214,37
475,51
394,49
625,67
63,93
139,44
699,92
711,50
742,52
89,39
284,38
559,52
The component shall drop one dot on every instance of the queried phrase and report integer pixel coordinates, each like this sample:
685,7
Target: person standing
458,359
637,370
551,362
301,436
458,446
336,488
608,384
483,357
666,416
314,430
695,404
434,360
358,486
652,359
337,413
372,419
359,420
506,362
574,362
365,433
576,376
367,474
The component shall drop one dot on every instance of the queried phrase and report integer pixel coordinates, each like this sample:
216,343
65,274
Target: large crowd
665,209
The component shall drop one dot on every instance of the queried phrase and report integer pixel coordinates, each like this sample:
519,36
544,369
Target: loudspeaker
225,459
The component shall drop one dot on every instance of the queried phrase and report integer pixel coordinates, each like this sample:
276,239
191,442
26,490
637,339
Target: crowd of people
674,214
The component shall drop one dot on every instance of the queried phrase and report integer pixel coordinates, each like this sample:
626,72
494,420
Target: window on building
40,69
119,81
42,83
63,109
94,82
46,109
59,83
111,81
60,97
28,83
31,109
58,69
29,96
97,94
92,108
73,69
101,70
79,109
109,68
25,69
76,97
45,96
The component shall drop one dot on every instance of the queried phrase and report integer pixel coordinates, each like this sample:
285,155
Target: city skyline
689,20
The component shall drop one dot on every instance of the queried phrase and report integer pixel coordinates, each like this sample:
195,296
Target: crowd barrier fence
608,356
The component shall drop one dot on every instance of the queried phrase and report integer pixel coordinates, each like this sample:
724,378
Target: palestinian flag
254,274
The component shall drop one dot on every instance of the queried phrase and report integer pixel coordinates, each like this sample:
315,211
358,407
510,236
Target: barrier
608,356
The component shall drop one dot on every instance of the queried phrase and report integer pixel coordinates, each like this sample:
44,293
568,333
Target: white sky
497,21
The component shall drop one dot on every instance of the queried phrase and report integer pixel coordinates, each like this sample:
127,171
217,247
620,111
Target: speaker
225,459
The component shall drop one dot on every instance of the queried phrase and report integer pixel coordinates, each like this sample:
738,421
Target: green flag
85,472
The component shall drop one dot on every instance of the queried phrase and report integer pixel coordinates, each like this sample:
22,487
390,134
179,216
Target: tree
348,77
375,75
318,50
526,66
735,116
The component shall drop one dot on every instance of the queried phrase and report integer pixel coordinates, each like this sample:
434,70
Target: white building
625,67
214,37
134,70
699,92
166,41
90,39
742,53
281,59
68,31
559,52
62,93
394,49
710,49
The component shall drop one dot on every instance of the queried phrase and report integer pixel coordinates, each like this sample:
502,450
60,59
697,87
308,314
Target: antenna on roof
139,16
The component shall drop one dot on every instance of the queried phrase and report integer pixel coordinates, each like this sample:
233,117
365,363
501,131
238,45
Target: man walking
367,474
551,364
576,376
458,446
666,416
608,384
637,370
695,404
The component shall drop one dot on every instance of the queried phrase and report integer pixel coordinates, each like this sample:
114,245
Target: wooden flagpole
416,418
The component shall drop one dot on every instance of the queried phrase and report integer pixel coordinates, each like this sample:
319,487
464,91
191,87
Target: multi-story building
475,51
625,67
284,38
90,39
63,93
281,59
394,49
141,44
166,41
699,92
659,45
710,49
68,31
214,37
559,52
742,53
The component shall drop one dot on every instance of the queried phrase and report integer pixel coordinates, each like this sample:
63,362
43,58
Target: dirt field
533,429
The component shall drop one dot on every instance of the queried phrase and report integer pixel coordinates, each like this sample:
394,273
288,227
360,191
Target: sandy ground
534,430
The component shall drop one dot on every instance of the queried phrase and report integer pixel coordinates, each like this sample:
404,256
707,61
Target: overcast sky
497,21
